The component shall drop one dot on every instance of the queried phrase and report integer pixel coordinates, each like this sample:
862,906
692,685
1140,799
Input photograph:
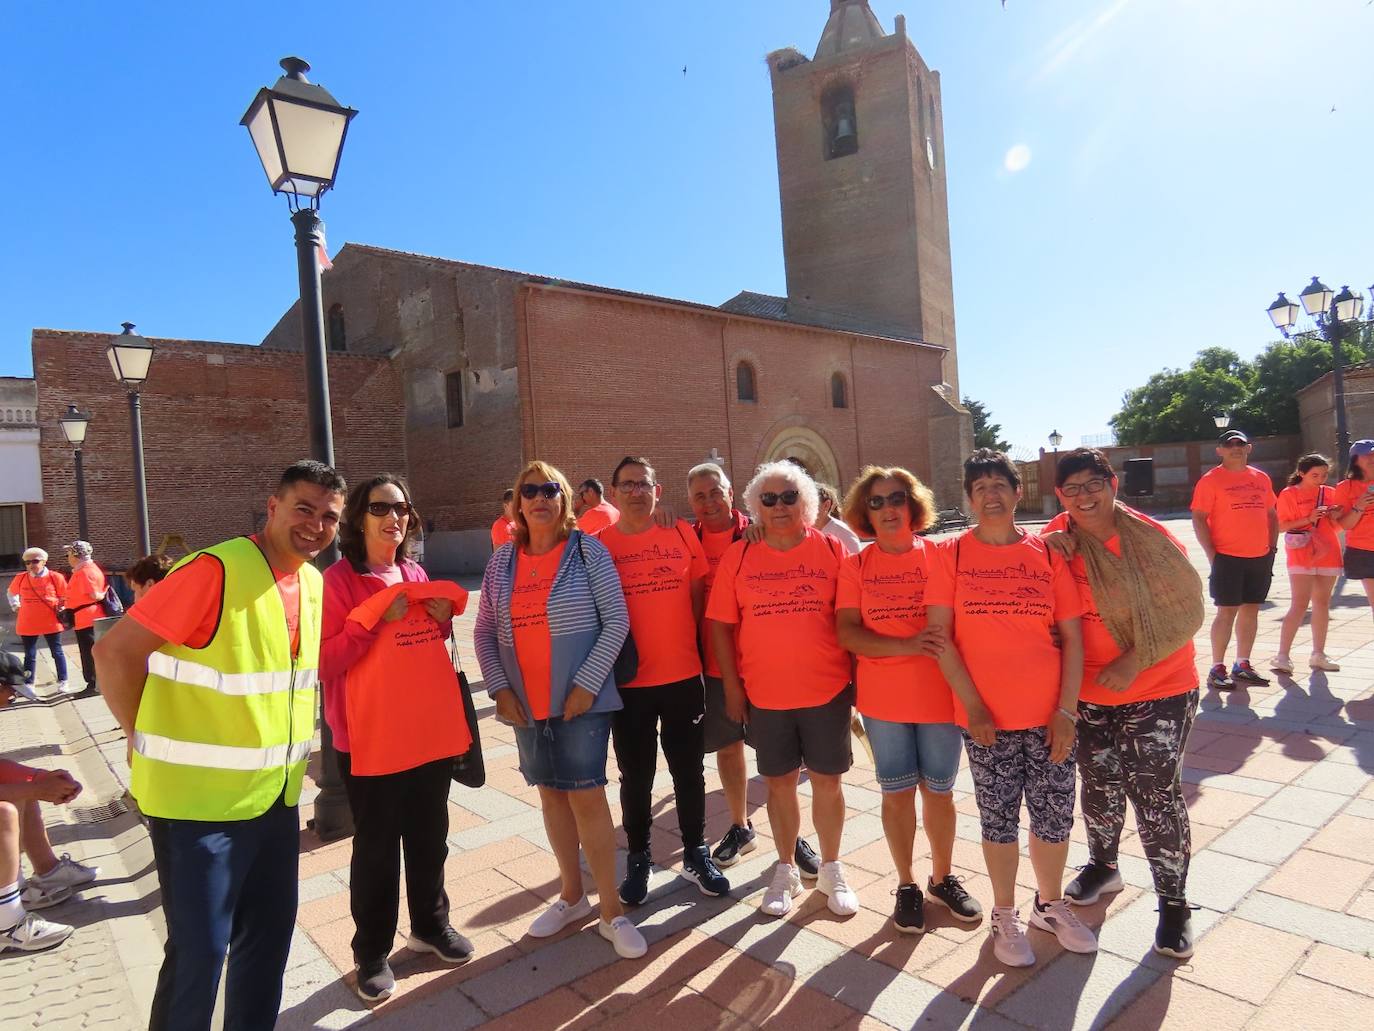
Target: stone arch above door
808,447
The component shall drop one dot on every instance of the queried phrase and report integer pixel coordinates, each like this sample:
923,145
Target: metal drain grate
102,813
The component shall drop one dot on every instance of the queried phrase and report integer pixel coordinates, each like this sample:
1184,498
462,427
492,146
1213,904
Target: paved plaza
1280,786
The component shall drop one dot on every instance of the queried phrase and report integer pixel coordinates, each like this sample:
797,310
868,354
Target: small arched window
335,329
839,391
745,387
839,122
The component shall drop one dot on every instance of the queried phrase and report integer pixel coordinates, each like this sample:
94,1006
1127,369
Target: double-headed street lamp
298,130
130,355
1332,313
74,424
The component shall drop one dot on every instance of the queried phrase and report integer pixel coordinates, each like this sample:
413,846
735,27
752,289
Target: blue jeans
231,887
907,754
59,657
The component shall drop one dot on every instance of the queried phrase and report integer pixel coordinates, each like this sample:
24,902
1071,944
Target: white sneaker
625,936
68,688
559,916
33,933
1320,661
842,900
777,900
1282,664
1009,943
1059,919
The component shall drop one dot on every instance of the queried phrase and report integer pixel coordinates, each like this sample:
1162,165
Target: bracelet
1073,716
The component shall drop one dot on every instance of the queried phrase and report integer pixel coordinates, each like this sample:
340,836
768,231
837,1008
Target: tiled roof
770,306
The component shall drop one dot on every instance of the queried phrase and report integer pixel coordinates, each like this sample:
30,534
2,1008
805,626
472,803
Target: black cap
1230,435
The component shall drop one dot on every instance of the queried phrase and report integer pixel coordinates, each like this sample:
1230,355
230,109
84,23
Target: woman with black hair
1313,551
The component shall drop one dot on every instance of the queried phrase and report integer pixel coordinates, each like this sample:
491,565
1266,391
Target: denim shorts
566,755
907,754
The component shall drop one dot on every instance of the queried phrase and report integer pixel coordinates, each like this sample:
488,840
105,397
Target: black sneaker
807,861
1093,879
1244,673
1174,934
909,914
738,841
698,867
634,889
448,945
1220,680
950,893
375,981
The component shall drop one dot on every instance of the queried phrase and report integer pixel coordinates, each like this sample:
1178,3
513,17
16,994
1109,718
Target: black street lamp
1332,314
298,130
130,355
74,424
1222,420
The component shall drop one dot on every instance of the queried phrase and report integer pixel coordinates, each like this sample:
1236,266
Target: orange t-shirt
784,603
184,607
39,599
598,518
529,620
1236,505
889,591
657,569
1361,535
1172,675
1006,601
714,546
85,591
1324,551
501,531
405,707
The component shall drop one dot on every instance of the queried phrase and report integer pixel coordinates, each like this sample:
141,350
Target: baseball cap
1361,447
1231,435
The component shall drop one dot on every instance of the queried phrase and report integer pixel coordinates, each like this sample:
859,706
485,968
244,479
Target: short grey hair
35,553
796,477
709,469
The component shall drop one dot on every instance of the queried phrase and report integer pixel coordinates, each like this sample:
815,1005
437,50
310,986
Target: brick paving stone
1316,1006
1078,992
1246,960
1334,776
1363,906
1262,839
1349,970
1319,879
1295,804
1339,929
1345,835
1172,1004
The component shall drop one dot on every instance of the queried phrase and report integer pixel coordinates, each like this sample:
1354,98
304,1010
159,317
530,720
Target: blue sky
1130,180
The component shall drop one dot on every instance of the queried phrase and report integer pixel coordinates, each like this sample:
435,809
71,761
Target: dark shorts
1359,564
719,729
816,737
1241,581
566,755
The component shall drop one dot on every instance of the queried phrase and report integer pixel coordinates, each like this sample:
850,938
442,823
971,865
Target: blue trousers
226,887
59,657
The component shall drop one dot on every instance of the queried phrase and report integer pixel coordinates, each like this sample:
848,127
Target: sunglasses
550,490
788,497
33,561
896,499
381,508
1072,490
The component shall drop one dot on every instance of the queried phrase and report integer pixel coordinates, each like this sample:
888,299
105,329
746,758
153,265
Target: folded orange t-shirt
405,708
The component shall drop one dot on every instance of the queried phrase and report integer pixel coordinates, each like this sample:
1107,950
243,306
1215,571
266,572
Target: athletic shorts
1241,581
719,730
1359,564
816,737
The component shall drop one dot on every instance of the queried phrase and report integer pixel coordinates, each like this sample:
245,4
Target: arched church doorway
807,447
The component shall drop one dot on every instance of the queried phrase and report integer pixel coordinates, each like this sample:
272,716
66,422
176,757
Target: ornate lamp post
298,130
1222,420
74,424
130,355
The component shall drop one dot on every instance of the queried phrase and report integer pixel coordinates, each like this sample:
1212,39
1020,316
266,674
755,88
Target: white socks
11,912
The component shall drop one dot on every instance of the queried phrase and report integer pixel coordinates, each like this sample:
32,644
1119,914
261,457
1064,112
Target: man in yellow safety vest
213,678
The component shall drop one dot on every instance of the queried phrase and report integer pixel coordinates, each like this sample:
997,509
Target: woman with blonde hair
906,704
550,624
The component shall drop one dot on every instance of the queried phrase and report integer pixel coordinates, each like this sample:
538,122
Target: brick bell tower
861,173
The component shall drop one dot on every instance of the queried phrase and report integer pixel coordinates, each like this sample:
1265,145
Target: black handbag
627,662
469,769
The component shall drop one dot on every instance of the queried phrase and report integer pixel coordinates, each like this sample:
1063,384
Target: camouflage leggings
1135,751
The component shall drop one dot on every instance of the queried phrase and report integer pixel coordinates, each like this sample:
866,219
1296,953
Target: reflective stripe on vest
220,757
187,672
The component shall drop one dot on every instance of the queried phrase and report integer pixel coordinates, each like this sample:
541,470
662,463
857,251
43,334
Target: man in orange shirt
1236,523
663,574
596,513
504,528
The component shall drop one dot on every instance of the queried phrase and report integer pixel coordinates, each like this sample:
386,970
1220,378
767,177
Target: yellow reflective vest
222,731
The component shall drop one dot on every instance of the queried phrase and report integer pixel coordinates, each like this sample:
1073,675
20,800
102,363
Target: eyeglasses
381,508
635,486
788,497
1072,490
33,561
550,490
896,499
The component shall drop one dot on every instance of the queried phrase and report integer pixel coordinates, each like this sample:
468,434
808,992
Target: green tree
986,433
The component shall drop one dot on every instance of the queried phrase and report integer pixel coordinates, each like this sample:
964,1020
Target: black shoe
1174,934
634,889
375,981
698,867
448,945
1220,680
808,863
909,914
950,893
1244,673
1093,879
738,841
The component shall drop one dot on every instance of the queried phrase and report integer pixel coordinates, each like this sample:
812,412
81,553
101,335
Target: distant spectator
85,591
147,571
36,595
829,523
596,513
504,528
1305,510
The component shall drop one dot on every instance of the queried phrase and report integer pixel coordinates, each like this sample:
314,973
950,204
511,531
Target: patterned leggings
1135,751
1014,766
